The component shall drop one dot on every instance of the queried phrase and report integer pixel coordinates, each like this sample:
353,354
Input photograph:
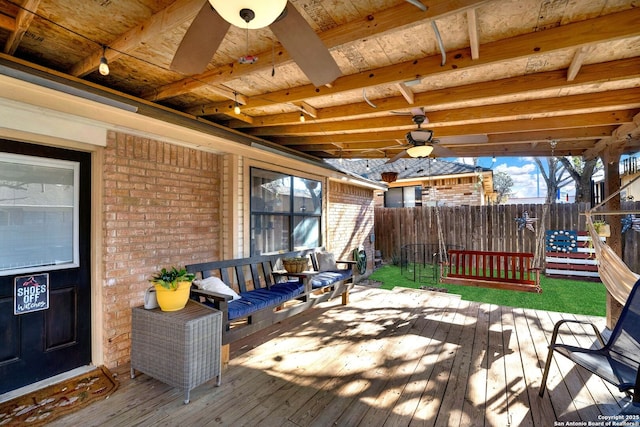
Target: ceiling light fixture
302,118
236,106
422,150
103,68
250,14
419,139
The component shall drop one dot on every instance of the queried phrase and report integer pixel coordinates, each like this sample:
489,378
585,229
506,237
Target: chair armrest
350,263
210,294
558,324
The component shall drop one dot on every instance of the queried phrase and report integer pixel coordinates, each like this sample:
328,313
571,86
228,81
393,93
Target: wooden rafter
556,80
177,13
576,62
406,92
369,26
609,27
22,22
474,39
612,100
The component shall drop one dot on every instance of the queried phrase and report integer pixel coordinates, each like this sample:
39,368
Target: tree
581,172
555,176
502,183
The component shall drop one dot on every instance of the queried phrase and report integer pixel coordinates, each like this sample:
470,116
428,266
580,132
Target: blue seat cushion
258,299
326,278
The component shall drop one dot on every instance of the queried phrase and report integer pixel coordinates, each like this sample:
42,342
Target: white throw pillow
326,261
216,285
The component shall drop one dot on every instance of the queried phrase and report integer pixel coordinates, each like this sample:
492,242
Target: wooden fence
486,228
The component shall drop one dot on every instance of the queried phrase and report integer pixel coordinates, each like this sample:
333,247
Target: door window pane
38,214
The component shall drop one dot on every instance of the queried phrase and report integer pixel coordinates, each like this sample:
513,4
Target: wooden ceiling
517,77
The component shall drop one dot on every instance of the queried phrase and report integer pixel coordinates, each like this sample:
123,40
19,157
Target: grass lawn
562,295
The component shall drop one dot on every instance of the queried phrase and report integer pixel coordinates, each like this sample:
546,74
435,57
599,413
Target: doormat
47,404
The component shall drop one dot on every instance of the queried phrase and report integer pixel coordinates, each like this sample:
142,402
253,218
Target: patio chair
616,361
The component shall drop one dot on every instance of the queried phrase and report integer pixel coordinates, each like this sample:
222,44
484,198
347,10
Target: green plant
169,279
395,258
558,294
599,225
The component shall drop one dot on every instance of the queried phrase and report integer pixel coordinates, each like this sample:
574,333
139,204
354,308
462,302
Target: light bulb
302,118
103,68
236,109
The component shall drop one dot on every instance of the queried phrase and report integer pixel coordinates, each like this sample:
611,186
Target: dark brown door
34,240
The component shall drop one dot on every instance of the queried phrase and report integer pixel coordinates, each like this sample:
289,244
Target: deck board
474,404
389,358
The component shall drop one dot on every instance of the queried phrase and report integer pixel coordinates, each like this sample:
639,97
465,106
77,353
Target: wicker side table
180,348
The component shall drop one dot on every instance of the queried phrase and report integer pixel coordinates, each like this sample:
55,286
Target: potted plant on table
172,288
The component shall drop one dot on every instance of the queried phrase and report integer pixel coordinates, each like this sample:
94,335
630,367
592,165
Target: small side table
304,276
180,348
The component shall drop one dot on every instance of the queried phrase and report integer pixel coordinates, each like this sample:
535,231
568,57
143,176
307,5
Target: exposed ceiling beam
167,19
590,75
625,133
474,39
7,23
366,27
576,62
597,30
406,92
572,104
22,23
507,126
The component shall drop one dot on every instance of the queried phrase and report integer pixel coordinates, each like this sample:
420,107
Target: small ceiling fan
210,26
421,142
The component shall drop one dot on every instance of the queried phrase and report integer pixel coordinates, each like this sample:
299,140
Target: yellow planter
173,299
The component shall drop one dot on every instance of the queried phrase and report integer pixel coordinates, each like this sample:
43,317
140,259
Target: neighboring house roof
407,168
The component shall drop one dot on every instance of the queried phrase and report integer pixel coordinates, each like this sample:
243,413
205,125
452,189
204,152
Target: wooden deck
389,358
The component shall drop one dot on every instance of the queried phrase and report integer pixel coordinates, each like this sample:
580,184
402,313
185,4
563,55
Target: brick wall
349,220
161,208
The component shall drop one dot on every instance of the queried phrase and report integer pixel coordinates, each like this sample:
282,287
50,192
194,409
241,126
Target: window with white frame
38,214
286,212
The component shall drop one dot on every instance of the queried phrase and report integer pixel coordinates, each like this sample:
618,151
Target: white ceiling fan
210,26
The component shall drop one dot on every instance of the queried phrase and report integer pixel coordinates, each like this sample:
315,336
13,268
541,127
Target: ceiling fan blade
464,139
417,111
398,156
305,47
440,151
200,42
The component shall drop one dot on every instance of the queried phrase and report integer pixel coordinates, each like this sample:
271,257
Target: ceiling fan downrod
418,119
247,15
